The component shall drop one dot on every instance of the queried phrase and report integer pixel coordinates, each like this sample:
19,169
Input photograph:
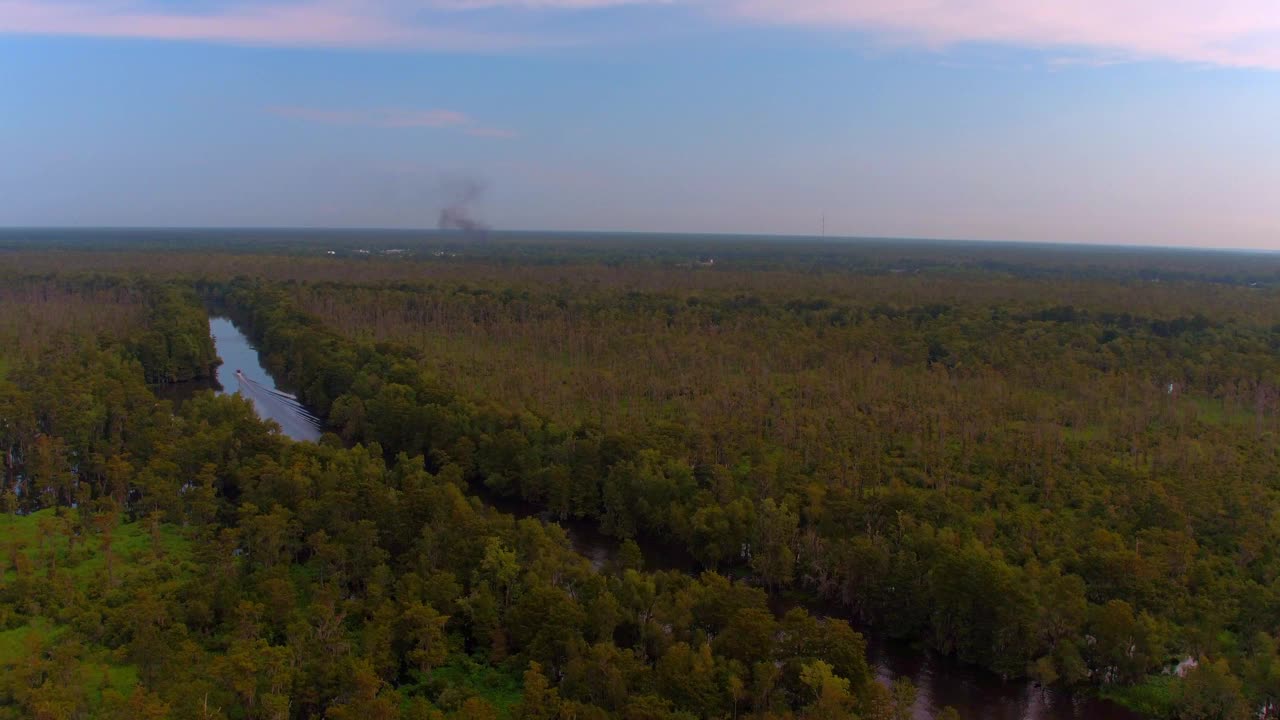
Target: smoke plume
458,213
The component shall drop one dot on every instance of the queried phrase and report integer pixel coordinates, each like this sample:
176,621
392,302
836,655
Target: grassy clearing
97,670
1086,434
462,678
17,642
99,677
35,545
138,554
1154,697
1212,412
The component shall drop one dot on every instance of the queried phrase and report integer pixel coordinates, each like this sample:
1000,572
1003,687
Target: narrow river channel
941,682
242,372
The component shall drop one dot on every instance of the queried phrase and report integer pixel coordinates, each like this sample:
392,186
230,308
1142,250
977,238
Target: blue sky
1125,121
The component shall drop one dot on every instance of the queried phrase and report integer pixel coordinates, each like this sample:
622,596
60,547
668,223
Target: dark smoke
458,213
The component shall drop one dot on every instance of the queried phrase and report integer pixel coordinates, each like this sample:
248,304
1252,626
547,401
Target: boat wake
294,419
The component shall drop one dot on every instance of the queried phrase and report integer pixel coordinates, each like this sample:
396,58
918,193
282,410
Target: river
941,682
242,373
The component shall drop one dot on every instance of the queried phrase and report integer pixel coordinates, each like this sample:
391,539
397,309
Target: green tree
1211,692
538,700
773,554
422,630
830,698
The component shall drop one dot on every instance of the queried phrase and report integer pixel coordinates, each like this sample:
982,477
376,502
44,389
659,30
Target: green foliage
927,517
200,565
1211,692
1154,696
42,315
1056,468
964,469
14,642
177,346
464,678
139,554
61,592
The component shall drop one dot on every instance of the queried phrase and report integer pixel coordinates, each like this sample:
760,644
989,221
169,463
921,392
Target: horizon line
821,239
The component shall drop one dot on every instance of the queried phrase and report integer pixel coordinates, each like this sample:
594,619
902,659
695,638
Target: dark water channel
975,693
941,682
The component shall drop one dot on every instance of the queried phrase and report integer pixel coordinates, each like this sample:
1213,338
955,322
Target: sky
1100,121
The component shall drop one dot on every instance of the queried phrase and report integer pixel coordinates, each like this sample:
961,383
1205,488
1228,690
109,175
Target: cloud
392,118
1232,33
546,4
1235,33
301,23
491,132
387,118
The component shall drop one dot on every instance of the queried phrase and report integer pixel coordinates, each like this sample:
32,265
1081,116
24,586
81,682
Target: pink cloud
1237,33
1234,33
387,118
337,23
392,118
547,4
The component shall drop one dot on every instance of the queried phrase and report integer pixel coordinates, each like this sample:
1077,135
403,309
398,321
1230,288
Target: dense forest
199,565
1053,464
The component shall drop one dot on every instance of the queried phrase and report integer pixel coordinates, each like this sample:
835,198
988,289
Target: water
972,691
979,694
584,535
242,373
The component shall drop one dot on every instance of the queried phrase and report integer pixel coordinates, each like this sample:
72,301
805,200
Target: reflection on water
238,354
977,693
974,692
179,393
599,549
239,357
